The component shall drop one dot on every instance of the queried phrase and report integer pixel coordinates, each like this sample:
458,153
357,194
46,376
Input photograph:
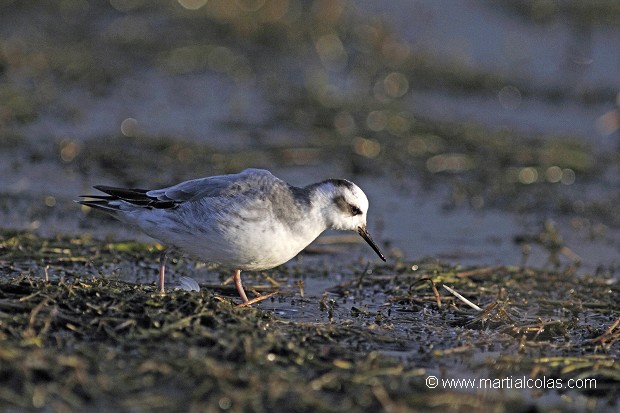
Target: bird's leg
237,278
162,270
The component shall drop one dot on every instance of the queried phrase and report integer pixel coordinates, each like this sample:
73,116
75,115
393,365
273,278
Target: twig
300,284
384,398
477,271
258,299
435,292
463,299
608,334
358,283
271,280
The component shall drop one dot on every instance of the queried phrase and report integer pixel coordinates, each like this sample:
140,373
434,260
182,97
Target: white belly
244,245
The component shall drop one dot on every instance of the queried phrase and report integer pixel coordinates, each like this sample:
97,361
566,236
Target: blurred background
483,132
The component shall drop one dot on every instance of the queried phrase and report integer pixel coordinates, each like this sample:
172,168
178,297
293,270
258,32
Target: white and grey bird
249,221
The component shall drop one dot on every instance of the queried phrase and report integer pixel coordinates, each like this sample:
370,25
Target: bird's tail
111,203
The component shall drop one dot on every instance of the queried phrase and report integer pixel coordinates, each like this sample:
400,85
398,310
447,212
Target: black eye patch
344,206
355,210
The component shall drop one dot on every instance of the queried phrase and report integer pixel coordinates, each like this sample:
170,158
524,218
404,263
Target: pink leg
162,270
237,278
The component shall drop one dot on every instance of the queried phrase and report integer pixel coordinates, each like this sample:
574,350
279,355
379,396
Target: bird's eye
345,207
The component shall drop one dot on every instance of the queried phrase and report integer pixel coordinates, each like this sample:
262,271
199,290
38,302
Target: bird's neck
321,197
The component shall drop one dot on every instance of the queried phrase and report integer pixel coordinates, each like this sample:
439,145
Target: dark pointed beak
364,234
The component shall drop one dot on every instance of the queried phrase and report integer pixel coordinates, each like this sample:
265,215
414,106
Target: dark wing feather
134,196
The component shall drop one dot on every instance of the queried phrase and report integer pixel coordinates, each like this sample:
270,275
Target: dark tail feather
101,204
131,195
